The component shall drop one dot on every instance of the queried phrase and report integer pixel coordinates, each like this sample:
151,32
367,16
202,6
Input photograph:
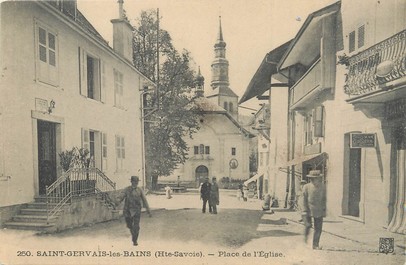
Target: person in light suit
314,206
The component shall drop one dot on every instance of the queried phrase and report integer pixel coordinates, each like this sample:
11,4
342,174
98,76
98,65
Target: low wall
84,211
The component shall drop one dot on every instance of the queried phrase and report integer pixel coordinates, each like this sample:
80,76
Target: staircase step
34,211
39,205
33,218
28,226
40,199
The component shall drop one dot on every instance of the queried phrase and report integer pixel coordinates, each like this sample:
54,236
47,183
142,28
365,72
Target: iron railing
75,183
362,77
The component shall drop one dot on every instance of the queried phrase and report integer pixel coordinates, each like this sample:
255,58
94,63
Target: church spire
220,41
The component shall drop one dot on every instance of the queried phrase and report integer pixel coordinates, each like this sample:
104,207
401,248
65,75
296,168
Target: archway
201,173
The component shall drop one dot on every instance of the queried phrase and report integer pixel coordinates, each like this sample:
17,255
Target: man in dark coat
205,193
314,205
214,196
134,200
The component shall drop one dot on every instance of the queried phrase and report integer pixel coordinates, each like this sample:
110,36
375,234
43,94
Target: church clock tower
221,93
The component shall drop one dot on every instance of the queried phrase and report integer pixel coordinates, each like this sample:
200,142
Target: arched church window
225,106
230,105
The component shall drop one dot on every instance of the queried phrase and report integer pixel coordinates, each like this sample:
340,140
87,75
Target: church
221,146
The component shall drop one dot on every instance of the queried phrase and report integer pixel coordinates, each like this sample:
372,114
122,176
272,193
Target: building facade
346,109
63,86
221,146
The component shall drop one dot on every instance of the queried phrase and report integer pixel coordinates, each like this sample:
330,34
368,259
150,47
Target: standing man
205,193
134,200
214,196
314,206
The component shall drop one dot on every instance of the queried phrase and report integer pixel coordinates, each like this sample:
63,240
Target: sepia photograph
202,132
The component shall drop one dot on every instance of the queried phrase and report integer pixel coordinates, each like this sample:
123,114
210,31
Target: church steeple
221,93
199,83
219,66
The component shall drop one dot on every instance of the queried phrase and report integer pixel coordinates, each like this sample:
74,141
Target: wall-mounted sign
362,140
233,163
41,105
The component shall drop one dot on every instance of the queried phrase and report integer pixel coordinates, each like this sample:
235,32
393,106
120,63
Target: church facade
221,146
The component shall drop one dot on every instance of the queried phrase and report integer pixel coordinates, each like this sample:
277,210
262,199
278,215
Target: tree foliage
172,116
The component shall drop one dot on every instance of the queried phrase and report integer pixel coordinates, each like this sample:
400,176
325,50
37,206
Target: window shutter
83,72
351,40
118,151
361,36
318,121
103,82
85,139
104,151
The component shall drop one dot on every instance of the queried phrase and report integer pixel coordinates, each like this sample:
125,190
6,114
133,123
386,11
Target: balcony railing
305,85
376,66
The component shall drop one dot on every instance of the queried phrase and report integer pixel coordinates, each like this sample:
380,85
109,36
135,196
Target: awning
254,178
311,159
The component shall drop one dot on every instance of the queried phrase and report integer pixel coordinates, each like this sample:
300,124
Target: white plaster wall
19,90
279,145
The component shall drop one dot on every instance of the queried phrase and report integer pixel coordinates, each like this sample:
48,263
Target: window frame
46,72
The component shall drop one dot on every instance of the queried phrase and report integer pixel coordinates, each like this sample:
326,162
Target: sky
251,28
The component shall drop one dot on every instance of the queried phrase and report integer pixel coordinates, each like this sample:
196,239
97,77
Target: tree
172,115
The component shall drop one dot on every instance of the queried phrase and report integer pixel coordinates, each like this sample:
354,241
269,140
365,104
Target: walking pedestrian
205,193
314,206
168,192
214,196
134,200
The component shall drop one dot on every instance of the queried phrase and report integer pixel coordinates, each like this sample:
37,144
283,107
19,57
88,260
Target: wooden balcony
310,81
378,68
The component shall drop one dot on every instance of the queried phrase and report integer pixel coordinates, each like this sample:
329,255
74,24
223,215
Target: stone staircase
33,216
81,211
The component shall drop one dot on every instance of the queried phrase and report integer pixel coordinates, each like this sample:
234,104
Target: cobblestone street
178,232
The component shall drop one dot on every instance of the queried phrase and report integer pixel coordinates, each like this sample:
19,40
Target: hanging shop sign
362,140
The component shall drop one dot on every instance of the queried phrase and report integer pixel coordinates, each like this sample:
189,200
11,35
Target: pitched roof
222,90
261,80
207,107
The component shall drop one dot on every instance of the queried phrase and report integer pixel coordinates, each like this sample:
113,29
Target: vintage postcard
202,132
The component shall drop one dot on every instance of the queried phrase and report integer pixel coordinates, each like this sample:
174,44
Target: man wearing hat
205,193
134,200
214,196
314,205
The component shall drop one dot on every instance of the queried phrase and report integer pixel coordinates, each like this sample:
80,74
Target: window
230,106
308,130
318,121
95,143
356,39
225,105
104,151
361,36
314,125
207,150
91,76
120,152
118,89
47,55
351,40
201,149
233,151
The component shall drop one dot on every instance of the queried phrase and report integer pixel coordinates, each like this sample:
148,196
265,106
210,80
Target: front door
46,155
201,173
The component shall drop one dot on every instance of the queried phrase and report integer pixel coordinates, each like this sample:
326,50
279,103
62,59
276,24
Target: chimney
122,34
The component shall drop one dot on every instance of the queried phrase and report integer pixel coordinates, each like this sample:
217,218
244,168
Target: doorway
46,154
352,182
201,173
